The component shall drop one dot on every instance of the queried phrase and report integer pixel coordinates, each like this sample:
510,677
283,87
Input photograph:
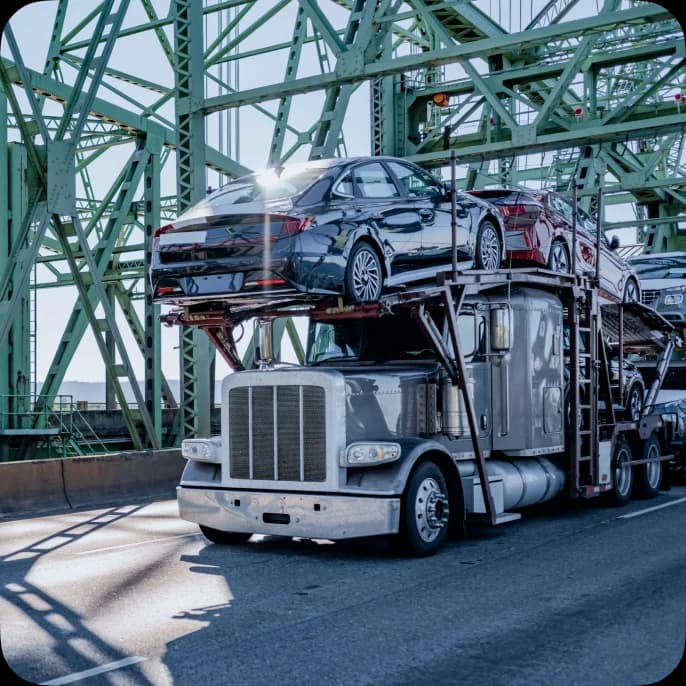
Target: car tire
649,475
224,537
632,293
634,403
488,250
558,259
363,275
622,474
425,511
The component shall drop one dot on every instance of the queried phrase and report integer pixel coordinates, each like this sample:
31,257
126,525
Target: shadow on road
73,640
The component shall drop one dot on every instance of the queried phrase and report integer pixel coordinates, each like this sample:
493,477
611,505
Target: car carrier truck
472,397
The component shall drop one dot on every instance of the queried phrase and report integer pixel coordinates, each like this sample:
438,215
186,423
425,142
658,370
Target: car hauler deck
474,397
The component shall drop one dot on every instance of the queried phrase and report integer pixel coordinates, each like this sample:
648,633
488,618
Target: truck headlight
202,449
674,298
359,454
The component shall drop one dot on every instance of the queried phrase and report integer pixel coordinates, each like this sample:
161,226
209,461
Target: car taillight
162,229
293,225
512,210
168,290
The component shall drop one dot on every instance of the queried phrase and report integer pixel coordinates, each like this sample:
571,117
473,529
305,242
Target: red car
538,229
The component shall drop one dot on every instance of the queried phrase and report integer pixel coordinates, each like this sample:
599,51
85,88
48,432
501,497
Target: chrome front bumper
310,516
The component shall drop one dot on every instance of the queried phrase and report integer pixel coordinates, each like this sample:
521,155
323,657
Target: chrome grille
277,433
648,297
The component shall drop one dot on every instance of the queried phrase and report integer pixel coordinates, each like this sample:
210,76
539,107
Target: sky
32,26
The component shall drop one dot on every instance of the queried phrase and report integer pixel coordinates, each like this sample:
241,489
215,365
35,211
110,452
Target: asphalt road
133,595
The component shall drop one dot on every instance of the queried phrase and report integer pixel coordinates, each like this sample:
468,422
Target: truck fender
394,477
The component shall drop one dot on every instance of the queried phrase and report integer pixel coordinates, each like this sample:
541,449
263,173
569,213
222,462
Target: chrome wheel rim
366,276
558,258
653,470
623,473
631,293
489,249
635,404
430,510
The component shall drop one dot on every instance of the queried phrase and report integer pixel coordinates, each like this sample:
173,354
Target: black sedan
348,227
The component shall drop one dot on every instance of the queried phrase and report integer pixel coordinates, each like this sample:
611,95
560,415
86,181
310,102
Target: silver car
663,284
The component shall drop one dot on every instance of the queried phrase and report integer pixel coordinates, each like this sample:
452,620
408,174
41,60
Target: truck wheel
224,537
622,474
649,475
425,511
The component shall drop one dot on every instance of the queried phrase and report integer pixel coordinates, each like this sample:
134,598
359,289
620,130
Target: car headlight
674,298
359,454
202,449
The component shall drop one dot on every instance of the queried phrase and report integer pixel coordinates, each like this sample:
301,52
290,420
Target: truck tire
622,474
425,511
224,537
649,476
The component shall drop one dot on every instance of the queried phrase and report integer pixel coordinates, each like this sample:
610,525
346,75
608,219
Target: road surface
134,595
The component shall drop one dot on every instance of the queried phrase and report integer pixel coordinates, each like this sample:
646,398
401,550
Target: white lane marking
638,513
110,666
131,545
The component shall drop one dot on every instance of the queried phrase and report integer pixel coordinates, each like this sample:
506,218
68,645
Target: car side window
373,181
345,185
417,184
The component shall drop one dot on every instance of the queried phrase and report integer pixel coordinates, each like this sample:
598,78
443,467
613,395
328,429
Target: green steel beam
281,119
351,70
196,356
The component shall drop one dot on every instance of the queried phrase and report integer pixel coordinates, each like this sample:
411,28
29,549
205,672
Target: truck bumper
308,515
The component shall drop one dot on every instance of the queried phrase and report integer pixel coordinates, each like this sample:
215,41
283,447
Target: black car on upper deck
340,226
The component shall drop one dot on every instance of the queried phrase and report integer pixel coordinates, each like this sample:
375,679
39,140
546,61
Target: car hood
661,284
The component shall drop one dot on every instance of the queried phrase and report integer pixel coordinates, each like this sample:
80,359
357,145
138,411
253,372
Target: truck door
472,334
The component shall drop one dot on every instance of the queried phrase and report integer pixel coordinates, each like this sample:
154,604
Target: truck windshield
387,338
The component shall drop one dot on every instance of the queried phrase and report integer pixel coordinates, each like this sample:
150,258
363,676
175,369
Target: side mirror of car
614,242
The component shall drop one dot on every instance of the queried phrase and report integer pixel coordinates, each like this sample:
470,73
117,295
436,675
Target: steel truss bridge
131,109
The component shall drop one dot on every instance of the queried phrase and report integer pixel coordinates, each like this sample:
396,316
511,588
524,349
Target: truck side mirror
614,242
501,328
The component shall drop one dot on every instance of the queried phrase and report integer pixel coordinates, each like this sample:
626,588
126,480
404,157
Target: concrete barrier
34,486
31,486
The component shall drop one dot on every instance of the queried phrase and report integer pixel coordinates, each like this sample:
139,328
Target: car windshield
504,196
661,267
270,184
267,185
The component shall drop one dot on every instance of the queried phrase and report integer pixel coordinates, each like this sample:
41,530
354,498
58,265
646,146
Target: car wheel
488,251
425,511
224,537
363,277
622,474
558,260
634,403
649,475
632,293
